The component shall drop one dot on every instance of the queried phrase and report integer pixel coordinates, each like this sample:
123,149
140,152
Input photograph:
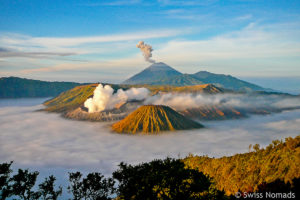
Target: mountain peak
153,119
160,66
154,72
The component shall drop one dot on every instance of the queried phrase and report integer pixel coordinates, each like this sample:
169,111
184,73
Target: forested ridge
14,87
272,169
279,161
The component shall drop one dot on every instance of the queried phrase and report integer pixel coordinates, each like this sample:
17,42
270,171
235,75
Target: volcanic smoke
146,49
105,99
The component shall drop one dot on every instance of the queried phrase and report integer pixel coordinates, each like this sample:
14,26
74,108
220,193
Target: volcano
162,74
153,73
153,119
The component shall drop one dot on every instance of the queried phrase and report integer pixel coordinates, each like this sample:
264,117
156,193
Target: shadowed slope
153,119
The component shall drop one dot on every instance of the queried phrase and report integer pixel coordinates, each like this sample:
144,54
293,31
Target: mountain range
162,74
14,87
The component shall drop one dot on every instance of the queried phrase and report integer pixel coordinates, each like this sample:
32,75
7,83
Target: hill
213,112
162,74
179,80
14,87
153,119
154,72
75,97
227,81
277,165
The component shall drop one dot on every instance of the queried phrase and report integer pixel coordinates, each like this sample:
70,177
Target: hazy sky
95,40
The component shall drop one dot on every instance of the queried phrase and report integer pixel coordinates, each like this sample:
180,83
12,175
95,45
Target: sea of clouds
53,145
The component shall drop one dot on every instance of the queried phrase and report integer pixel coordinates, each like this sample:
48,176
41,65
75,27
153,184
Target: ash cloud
146,50
105,99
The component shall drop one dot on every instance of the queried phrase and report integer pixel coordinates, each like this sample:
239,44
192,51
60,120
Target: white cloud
52,145
17,40
251,42
256,50
27,136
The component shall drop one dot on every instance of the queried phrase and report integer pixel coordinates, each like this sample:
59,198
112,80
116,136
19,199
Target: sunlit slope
70,99
204,88
247,172
75,97
153,119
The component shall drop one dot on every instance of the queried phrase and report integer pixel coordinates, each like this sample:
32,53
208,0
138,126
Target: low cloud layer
27,136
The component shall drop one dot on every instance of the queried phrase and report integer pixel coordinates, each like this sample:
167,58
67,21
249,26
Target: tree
47,189
23,183
162,179
5,189
93,187
256,147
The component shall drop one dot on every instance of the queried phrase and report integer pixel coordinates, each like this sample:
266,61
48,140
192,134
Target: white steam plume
182,101
105,99
147,51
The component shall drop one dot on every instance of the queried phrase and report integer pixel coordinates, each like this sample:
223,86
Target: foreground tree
47,189
93,187
5,189
23,183
163,179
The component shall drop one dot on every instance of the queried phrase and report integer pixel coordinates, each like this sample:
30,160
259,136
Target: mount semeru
162,74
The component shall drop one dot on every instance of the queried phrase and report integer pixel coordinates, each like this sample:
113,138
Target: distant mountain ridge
14,87
162,74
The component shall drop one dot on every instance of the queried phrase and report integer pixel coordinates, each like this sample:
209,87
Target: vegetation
273,169
204,88
70,99
94,186
153,119
76,97
13,87
163,179
250,171
21,185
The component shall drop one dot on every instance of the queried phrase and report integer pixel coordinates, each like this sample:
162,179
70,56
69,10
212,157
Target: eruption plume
146,49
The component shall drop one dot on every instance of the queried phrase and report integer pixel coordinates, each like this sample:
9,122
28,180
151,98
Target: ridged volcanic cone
153,119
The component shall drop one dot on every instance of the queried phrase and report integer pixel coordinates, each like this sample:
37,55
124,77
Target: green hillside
153,119
70,99
248,172
14,87
75,97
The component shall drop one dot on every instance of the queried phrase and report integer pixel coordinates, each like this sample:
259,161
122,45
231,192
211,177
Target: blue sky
95,40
